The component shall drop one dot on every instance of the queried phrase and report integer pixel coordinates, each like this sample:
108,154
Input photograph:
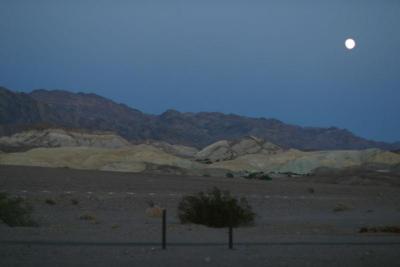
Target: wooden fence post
164,229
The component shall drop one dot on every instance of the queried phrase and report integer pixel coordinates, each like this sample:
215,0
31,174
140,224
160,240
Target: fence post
230,236
164,229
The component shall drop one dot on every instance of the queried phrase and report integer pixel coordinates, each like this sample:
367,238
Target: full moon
350,43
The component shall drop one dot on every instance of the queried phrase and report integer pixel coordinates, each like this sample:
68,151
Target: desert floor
294,226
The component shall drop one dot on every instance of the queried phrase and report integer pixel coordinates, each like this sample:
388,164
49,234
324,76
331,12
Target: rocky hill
302,162
89,111
227,150
17,109
107,151
26,140
136,158
177,150
249,156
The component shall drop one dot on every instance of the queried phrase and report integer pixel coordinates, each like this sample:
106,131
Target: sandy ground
294,227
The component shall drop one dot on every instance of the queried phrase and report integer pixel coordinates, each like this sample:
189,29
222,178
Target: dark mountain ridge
58,108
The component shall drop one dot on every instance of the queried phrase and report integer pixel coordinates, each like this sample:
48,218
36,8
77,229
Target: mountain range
91,112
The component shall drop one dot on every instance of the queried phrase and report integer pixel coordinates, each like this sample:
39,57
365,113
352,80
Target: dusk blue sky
275,59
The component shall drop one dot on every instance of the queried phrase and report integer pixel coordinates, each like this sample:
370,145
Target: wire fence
163,243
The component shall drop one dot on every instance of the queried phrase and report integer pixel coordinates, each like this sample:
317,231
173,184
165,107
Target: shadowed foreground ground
294,227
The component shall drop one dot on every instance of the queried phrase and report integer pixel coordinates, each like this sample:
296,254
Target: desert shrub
150,202
205,161
215,209
265,177
291,174
258,175
380,229
251,175
50,201
341,207
87,217
229,175
15,211
74,201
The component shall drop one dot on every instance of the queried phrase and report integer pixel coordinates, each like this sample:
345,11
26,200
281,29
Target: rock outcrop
177,150
227,150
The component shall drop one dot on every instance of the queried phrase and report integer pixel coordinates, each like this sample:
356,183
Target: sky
277,59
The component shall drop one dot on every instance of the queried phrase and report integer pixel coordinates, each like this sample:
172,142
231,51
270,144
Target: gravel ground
294,227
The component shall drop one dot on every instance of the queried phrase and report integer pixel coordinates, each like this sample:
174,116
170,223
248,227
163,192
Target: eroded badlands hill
60,138
61,148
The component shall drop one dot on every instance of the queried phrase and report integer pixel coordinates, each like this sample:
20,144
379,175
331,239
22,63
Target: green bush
215,209
15,211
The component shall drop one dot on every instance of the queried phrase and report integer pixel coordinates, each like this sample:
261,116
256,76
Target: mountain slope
93,112
205,128
21,109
